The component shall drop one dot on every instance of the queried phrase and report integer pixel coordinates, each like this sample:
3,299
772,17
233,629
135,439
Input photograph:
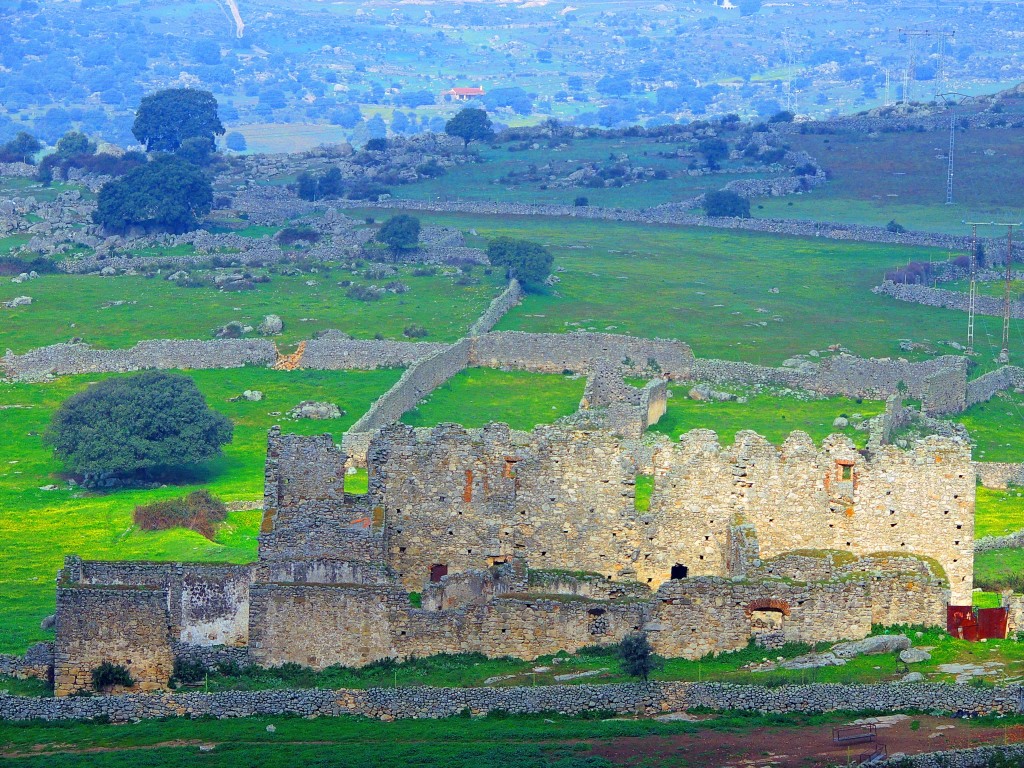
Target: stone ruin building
524,544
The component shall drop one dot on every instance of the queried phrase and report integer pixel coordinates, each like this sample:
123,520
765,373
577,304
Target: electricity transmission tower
909,36
1004,353
952,100
787,45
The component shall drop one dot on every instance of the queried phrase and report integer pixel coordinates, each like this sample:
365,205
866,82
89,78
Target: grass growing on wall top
477,396
38,528
772,416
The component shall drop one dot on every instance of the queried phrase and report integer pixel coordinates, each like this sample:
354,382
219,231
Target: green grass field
902,176
481,395
996,427
770,415
38,528
65,306
707,287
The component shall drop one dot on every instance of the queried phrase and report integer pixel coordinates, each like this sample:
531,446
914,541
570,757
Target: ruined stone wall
36,663
130,626
418,381
696,617
67,359
984,388
336,352
879,378
628,410
997,474
462,498
498,308
801,497
945,391
207,603
578,352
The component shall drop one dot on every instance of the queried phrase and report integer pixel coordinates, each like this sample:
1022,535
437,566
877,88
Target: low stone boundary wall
946,299
418,381
674,216
578,351
423,702
999,474
68,359
335,352
977,757
984,388
498,308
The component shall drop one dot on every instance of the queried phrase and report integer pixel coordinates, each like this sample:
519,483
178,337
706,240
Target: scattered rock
578,675
812,660
841,422
252,395
912,677
49,622
18,301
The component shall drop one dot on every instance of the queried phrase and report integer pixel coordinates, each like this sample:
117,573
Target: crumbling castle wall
801,497
124,625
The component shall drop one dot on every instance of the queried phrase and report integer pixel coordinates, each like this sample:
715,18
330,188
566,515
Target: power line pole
952,100
909,73
973,293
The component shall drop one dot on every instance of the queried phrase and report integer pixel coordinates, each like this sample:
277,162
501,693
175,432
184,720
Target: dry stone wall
941,297
36,663
336,352
69,359
423,702
498,308
418,381
999,474
984,388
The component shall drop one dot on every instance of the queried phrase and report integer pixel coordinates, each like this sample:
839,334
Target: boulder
914,655
811,660
310,409
252,395
841,422
871,645
271,325
49,622
18,301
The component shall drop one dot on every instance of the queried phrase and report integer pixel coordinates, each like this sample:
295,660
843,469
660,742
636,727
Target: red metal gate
969,623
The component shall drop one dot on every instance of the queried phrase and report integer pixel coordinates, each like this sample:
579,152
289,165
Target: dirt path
799,747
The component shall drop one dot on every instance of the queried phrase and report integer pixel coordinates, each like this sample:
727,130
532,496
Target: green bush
725,203
189,670
107,675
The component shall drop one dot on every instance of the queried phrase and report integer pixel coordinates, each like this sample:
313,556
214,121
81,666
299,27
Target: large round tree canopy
166,118
127,425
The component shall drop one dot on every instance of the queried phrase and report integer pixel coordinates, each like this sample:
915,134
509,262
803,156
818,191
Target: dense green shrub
725,203
525,260
150,423
107,675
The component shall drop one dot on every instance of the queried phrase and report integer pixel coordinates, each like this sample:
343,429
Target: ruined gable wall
457,497
801,497
574,506
129,626
446,495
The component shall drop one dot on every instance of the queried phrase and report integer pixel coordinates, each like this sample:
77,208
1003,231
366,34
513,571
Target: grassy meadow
481,395
86,306
713,289
39,527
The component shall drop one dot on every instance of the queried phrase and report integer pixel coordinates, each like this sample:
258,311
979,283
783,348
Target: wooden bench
853,734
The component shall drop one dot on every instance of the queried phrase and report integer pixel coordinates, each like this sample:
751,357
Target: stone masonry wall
998,474
984,388
337,352
498,308
124,625
557,352
418,381
623,699
67,359
799,497
940,297
36,663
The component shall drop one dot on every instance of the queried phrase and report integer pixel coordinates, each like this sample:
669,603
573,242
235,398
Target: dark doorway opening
679,571
437,571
